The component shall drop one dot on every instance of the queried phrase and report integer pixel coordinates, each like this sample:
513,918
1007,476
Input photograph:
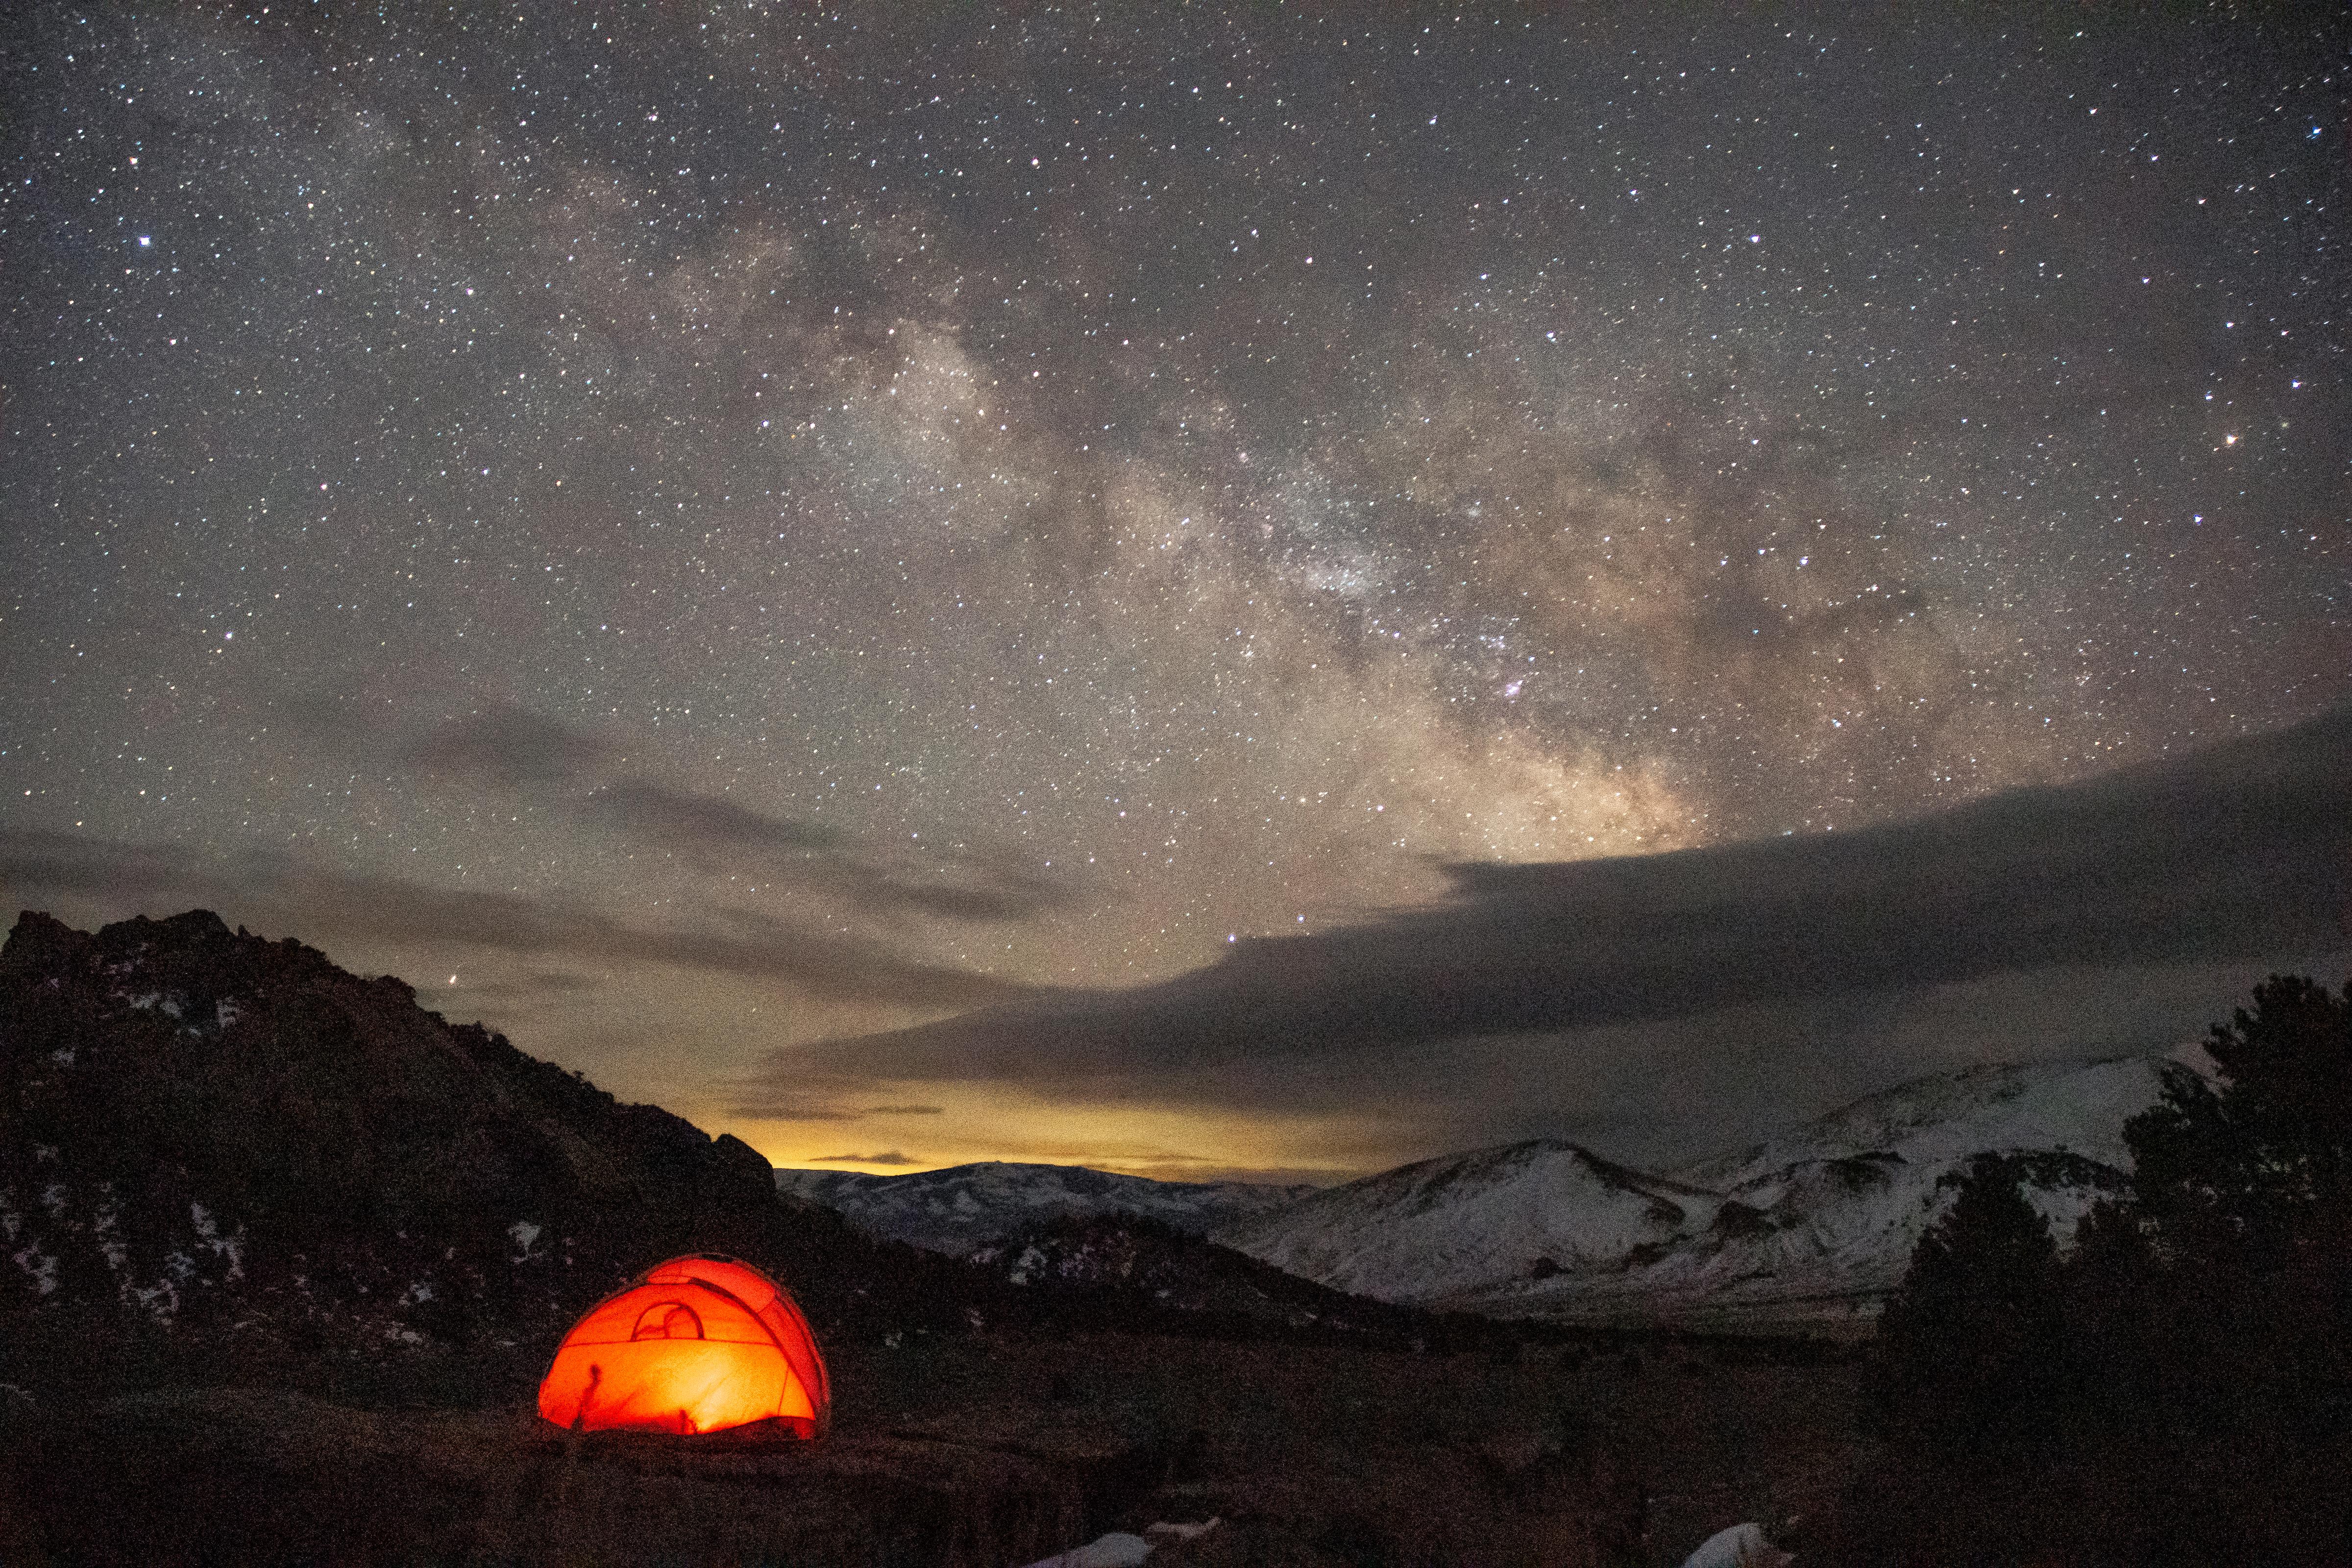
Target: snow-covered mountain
1424,1231
966,1206
1809,1228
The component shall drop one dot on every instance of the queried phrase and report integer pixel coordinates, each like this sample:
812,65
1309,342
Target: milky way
727,525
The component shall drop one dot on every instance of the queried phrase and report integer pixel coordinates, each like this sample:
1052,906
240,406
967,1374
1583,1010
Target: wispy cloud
275,891
683,821
891,1158
818,1105
510,749
788,1109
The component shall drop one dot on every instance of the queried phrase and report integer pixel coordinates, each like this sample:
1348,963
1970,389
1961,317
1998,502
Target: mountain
1806,1230
1809,1228
1943,1118
963,1207
223,1157
1425,1231
1102,1271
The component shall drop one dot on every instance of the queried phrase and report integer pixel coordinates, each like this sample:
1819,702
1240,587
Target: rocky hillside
963,1207
1111,1271
223,1157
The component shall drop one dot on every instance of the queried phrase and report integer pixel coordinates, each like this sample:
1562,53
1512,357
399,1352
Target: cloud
2224,860
892,1158
532,987
805,1105
272,890
787,1111
694,821
717,833
508,748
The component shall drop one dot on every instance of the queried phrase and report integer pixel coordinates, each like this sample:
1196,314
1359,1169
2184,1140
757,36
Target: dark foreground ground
983,1451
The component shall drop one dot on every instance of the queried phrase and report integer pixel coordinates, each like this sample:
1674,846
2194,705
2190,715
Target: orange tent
697,1345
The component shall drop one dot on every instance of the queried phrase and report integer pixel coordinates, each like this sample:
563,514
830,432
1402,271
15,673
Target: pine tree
2255,1175
2243,1195
1967,1357
2179,1389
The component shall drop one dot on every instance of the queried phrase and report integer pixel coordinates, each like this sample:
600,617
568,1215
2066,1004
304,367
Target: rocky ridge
224,1156
965,1208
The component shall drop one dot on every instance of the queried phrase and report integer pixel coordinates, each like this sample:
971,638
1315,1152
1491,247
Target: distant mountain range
1807,1230
966,1207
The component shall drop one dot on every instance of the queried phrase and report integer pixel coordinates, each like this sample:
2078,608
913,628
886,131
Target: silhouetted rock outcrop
223,1159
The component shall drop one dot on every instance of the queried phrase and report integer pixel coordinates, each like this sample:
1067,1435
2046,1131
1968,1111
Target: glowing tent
697,1345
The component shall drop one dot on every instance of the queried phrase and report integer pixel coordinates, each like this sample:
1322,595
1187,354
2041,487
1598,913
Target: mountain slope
2076,1106
1426,1232
225,1154
1810,1228
967,1206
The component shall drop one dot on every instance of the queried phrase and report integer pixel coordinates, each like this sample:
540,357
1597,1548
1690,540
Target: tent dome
697,1345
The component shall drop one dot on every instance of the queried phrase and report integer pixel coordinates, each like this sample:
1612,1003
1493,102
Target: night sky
691,531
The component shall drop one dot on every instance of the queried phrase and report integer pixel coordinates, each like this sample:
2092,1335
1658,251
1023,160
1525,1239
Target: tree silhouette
2254,1176
2178,1388
1970,1345
2242,1206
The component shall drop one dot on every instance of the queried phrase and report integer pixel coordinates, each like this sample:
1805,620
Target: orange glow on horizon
976,1122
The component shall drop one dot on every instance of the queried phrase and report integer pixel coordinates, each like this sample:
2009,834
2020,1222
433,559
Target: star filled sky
690,531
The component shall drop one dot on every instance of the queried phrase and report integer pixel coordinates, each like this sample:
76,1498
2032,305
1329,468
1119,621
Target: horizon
2282,790
2189,1053
1194,590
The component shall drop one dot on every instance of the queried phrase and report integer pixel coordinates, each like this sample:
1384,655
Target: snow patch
112,1247
1117,1549
160,1300
208,1235
41,1266
1741,1546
